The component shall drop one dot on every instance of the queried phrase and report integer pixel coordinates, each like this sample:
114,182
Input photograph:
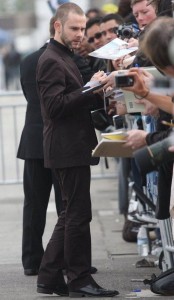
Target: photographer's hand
140,78
140,88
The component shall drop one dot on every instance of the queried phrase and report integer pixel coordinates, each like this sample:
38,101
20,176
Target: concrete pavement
114,258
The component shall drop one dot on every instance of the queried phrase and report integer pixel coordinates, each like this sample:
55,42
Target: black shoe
92,290
93,270
61,290
31,272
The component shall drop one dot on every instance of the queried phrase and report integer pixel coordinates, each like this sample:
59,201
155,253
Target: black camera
149,158
101,120
119,122
127,31
123,80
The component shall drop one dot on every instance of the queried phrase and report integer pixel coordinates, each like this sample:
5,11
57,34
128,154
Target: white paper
113,50
92,85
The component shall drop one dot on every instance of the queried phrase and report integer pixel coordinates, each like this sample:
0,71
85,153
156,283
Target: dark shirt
61,46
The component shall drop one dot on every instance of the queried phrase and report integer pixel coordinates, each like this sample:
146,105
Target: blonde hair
63,11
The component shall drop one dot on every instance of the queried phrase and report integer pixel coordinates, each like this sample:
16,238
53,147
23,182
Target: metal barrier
167,243
12,116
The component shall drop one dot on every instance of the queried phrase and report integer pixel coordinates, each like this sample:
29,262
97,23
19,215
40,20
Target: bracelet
140,98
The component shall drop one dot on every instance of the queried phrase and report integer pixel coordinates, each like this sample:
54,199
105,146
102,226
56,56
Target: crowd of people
59,133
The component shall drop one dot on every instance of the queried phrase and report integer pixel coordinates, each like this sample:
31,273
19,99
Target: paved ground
114,258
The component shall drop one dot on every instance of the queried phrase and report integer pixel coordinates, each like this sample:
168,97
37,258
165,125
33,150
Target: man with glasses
93,33
96,40
109,25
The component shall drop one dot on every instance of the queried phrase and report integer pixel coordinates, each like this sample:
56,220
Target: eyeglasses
110,30
97,36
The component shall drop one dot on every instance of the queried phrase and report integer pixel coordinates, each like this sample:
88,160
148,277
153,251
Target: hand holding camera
122,79
127,31
135,80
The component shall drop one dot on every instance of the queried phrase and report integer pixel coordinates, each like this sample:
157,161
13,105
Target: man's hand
109,81
142,79
99,76
136,139
149,108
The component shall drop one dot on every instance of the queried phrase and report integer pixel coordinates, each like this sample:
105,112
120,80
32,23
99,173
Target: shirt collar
61,46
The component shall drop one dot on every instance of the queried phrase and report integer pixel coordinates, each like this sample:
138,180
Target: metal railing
12,116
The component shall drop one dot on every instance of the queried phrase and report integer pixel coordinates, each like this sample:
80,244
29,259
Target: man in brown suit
69,138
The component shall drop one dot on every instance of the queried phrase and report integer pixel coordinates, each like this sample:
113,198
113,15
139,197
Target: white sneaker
147,218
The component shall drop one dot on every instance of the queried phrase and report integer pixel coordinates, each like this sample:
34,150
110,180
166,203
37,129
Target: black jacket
31,142
69,135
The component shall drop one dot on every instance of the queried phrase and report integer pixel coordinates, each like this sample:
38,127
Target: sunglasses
97,36
110,30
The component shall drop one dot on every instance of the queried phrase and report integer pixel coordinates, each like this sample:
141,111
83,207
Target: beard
68,43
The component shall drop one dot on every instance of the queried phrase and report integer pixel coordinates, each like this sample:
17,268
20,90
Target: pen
167,123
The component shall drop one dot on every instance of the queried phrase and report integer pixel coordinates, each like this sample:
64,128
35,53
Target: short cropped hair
163,28
94,10
110,17
52,29
63,11
93,21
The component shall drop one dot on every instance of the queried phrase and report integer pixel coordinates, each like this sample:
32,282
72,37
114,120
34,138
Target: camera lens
127,33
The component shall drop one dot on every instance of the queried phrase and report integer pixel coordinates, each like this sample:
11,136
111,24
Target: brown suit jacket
69,134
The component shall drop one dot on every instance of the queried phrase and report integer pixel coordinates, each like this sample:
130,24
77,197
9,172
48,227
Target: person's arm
161,101
154,137
141,89
60,92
